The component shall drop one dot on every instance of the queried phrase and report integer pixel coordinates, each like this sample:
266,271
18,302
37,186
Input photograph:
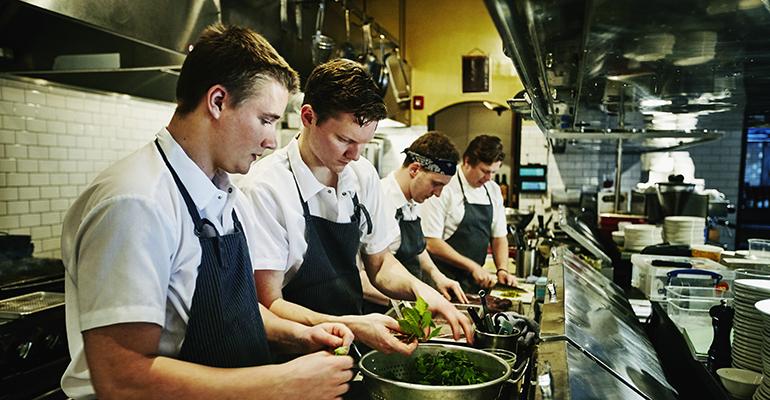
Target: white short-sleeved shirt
272,191
393,200
441,215
130,252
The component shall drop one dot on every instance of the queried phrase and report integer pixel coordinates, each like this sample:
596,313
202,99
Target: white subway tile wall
54,140
717,162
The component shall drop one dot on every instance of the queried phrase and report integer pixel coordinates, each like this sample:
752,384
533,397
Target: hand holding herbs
417,322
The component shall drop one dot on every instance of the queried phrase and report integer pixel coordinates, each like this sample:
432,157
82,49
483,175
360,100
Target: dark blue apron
328,280
225,327
471,239
412,244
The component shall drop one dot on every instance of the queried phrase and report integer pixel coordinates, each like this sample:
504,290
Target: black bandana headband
437,165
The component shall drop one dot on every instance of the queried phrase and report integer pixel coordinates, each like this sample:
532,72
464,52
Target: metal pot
323,46
376,366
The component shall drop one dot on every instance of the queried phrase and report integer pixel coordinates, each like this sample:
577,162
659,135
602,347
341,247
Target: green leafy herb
417,322
445,368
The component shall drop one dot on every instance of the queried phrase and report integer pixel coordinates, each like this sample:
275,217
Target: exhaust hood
661,73
133,47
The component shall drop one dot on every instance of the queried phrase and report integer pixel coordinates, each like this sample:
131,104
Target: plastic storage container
652,279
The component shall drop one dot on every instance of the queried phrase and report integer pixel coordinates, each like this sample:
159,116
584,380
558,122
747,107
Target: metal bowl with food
387,376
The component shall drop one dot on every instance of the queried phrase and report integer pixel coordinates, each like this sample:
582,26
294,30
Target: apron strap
305,207
191,208
465,199
359,208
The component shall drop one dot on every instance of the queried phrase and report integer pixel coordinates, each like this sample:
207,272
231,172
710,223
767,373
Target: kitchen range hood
661,73
133,47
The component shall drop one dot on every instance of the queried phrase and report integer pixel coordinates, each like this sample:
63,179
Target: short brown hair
344,86
237,58
435,145
484,148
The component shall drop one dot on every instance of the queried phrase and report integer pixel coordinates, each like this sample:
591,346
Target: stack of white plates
639,236
684,230
763,392
748,326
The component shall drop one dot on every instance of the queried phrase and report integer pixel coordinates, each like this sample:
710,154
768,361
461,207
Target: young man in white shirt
319,203
160,294
429,164
468,218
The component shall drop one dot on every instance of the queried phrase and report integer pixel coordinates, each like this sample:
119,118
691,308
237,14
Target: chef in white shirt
160,293
429,163
468,218
319,202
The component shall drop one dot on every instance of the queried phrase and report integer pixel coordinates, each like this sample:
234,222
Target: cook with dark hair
429,163
469,216
319,202
160,292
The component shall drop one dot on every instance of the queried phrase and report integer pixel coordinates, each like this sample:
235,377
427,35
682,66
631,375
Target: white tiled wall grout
54,140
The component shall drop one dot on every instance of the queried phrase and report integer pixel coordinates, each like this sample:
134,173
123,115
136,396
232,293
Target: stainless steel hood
134,47
663,73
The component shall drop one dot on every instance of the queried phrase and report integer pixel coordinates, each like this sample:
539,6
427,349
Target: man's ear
307,115
216,97
414,167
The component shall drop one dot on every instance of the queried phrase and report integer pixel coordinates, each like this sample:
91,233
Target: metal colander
375,366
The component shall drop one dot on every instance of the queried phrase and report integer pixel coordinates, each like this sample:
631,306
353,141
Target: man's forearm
500,252
390,277
297,313
282,333
442,249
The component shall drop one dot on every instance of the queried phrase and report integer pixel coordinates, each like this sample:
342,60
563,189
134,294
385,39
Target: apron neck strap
191,207
465,199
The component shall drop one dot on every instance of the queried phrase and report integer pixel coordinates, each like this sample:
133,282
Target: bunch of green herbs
445,368
417,322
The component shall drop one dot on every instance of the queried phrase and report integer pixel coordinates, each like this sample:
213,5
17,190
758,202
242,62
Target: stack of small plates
763,392
639,236
748,326
684,230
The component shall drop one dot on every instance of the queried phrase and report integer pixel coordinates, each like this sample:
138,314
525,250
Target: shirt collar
309,186
392,190
202,189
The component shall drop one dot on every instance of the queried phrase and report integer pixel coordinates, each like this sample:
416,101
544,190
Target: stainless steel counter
605,350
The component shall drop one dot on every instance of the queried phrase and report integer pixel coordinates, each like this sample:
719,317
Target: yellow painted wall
438,34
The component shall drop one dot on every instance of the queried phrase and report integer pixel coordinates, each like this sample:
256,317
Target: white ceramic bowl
618,237
740,383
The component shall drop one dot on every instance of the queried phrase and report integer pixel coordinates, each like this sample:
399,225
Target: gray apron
471,239
224,328
412,244
328,280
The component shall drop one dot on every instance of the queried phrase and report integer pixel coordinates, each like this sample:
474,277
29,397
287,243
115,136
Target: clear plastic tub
691,313
759,248
697,293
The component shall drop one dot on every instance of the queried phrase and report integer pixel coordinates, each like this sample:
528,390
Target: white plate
761,286
763,307
683,218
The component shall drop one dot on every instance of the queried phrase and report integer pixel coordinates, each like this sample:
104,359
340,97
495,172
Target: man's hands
483,278
437,304
376,331
320,375
449,288
506,278
328,335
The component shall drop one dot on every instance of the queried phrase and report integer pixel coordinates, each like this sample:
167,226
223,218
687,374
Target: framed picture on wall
475,73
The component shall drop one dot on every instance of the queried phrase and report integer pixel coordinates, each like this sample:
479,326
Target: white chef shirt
130,252
441,215
394,199
270,187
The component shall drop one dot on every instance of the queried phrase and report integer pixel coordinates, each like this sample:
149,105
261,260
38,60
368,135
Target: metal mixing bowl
375,366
